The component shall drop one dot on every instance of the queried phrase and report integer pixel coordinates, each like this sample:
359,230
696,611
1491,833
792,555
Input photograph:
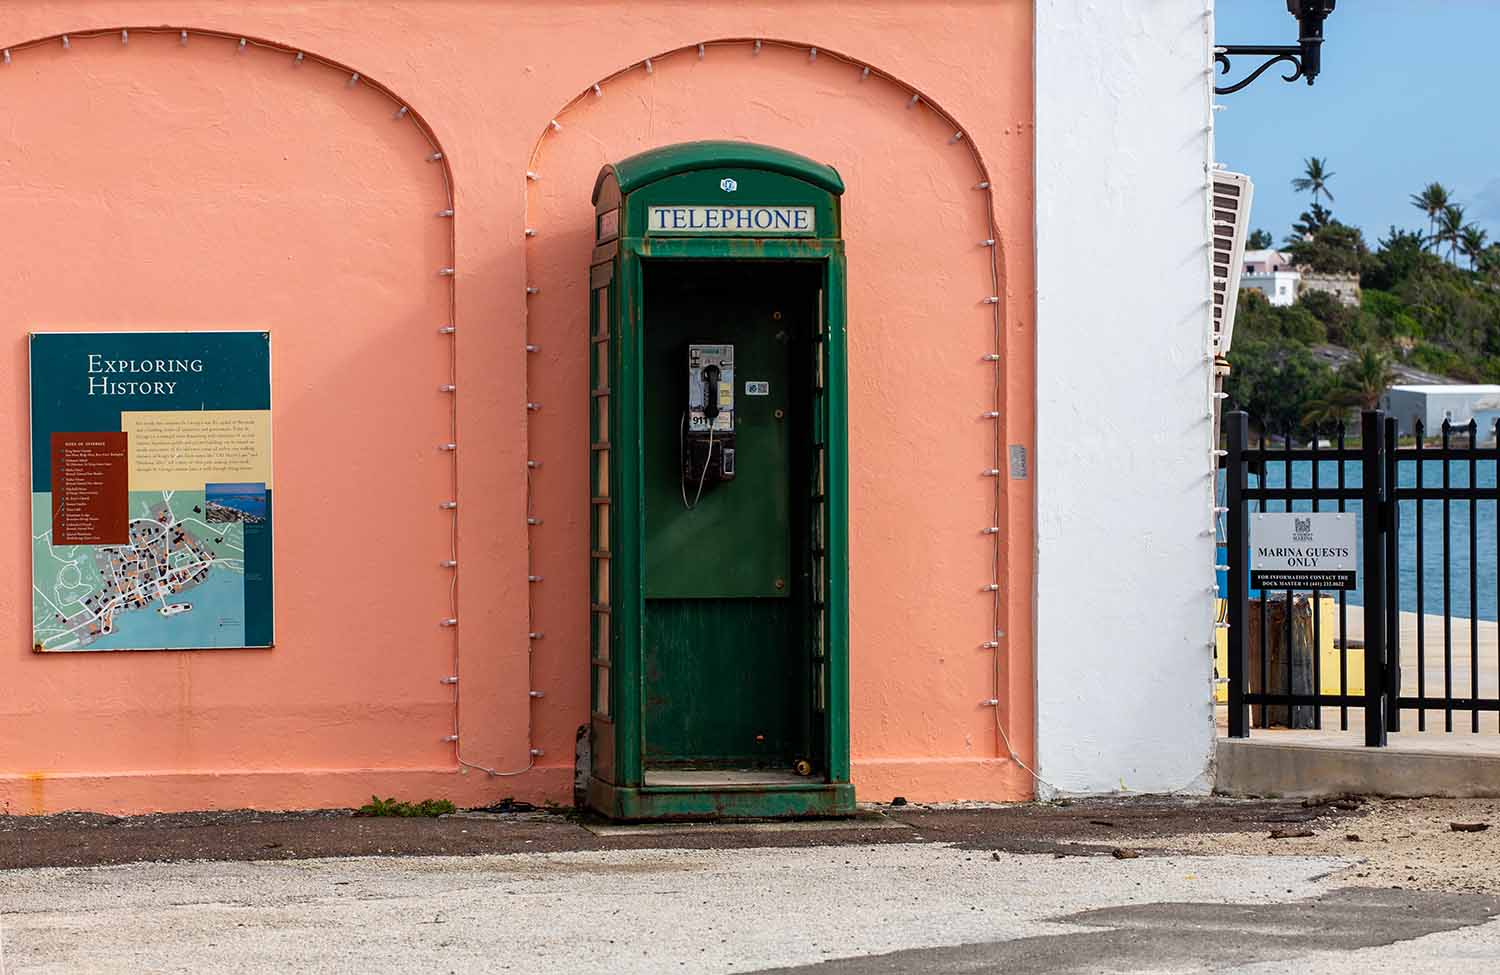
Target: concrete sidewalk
1281,762
912,907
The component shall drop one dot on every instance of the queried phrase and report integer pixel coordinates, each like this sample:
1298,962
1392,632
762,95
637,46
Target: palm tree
1365,379
1327,411
1432,201
1314,179
1489,260
1450,229
1472,241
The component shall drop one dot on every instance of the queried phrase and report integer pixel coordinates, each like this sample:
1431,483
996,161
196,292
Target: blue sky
1407,96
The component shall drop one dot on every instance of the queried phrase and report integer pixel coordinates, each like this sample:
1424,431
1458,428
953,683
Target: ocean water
217,619
1454,525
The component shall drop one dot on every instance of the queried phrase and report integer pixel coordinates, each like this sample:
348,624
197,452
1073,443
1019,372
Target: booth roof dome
663,161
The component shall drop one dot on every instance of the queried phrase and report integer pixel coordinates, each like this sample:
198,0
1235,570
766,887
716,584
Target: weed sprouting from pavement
406,810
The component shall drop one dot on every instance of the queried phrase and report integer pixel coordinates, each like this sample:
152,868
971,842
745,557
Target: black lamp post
1305,57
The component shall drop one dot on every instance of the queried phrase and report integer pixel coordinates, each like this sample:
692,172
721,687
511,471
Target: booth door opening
728,350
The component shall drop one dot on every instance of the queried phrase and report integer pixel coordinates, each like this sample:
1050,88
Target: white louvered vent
1233,193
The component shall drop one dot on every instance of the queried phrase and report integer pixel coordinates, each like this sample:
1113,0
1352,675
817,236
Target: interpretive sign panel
151,490
1302,550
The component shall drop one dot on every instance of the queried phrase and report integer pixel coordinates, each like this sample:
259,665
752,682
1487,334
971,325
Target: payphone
718,482
708,422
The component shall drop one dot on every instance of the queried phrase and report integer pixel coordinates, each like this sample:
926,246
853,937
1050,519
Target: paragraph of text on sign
187,449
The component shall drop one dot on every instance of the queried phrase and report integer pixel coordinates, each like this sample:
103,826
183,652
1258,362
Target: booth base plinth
723,800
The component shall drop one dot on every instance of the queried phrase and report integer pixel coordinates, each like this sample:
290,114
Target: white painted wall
1124,564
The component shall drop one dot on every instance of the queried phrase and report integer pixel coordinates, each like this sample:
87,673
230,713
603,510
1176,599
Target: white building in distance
1434,404
1272,274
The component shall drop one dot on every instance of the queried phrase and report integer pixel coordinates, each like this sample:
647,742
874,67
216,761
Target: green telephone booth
719,653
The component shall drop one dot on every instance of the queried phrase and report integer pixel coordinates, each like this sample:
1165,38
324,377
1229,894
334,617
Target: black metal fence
1428,521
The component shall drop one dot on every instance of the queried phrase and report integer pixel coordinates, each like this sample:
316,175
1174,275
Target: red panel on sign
90,489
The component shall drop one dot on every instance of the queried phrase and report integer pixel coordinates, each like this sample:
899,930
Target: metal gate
1429,519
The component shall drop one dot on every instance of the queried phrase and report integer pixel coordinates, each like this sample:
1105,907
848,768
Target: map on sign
151,491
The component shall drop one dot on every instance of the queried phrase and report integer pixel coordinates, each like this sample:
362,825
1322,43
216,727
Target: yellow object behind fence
1328,651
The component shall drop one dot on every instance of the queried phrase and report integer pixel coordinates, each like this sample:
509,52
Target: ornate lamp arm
1305,57
1290,53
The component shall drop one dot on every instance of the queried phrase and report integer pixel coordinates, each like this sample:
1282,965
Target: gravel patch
1394,843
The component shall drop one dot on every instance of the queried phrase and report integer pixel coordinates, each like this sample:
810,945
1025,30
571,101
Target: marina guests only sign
1302,550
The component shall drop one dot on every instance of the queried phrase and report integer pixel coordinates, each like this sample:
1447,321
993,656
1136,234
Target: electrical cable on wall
1216,379
993,297
239,44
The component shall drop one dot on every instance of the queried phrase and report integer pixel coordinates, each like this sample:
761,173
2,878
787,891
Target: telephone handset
710,394
707,434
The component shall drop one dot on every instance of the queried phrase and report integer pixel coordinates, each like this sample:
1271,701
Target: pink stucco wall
153,185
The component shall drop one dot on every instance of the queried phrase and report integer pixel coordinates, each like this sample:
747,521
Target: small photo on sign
234,503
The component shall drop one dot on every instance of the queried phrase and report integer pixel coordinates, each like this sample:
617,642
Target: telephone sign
762,221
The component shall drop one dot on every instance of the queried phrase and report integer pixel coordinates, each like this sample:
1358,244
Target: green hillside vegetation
1431,301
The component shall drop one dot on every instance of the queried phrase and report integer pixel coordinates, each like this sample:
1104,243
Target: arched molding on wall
990,292
297,58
